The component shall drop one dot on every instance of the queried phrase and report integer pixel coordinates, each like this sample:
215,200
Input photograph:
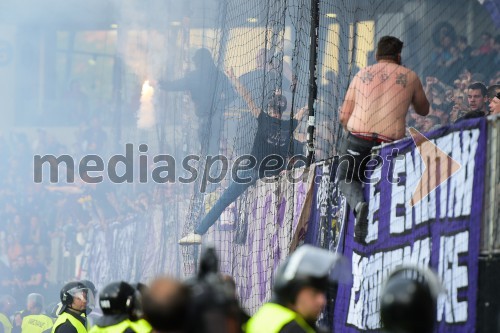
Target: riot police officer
71,319
121,307
299,292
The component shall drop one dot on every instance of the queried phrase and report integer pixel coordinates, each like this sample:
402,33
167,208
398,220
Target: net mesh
264,47
209,104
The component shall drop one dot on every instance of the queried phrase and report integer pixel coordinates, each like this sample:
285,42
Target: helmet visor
80,293
315,262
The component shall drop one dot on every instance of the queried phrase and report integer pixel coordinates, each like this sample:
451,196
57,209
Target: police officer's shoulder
66,327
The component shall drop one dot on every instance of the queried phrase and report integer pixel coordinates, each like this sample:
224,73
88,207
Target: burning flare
146,116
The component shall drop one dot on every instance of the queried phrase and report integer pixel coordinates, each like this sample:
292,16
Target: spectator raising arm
242,90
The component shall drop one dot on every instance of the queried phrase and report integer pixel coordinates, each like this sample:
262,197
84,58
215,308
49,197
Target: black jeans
354,155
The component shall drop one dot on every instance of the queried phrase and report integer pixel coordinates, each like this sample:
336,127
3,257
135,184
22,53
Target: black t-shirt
273,137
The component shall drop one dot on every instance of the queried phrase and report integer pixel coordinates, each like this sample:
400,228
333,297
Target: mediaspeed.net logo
245,169
439,167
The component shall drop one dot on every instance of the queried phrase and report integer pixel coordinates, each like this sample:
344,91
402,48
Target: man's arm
300,114
349,103
181,84
419,100
242,90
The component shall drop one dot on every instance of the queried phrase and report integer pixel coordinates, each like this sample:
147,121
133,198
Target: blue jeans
232,193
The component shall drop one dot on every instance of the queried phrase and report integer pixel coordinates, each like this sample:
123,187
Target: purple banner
441,231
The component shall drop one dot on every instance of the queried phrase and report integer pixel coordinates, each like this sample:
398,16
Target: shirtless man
374,112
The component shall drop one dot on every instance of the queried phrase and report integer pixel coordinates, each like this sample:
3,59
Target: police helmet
121,298
70,291
408,300
91,295
308,266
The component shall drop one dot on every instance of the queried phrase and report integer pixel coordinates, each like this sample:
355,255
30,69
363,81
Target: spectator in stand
464,52
493,90
495,105
445,55
437,94
486,47
484,56
441,112
477,98
449,95
496,46
460,87
478,77
37,273
94,138
459,108
20,276
435,90
430,123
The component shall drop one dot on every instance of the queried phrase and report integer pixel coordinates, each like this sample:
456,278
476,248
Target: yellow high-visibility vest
63,317
5,322
272,317
36,323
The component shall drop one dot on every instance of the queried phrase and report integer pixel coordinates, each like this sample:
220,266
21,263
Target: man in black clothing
210,92
74,304
121,307
477,95
269,147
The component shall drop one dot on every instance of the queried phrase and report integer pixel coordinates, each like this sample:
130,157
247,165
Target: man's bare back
378,99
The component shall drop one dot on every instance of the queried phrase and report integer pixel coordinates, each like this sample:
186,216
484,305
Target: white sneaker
190,239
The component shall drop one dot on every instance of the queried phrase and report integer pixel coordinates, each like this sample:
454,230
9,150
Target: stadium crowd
40,220
456,73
